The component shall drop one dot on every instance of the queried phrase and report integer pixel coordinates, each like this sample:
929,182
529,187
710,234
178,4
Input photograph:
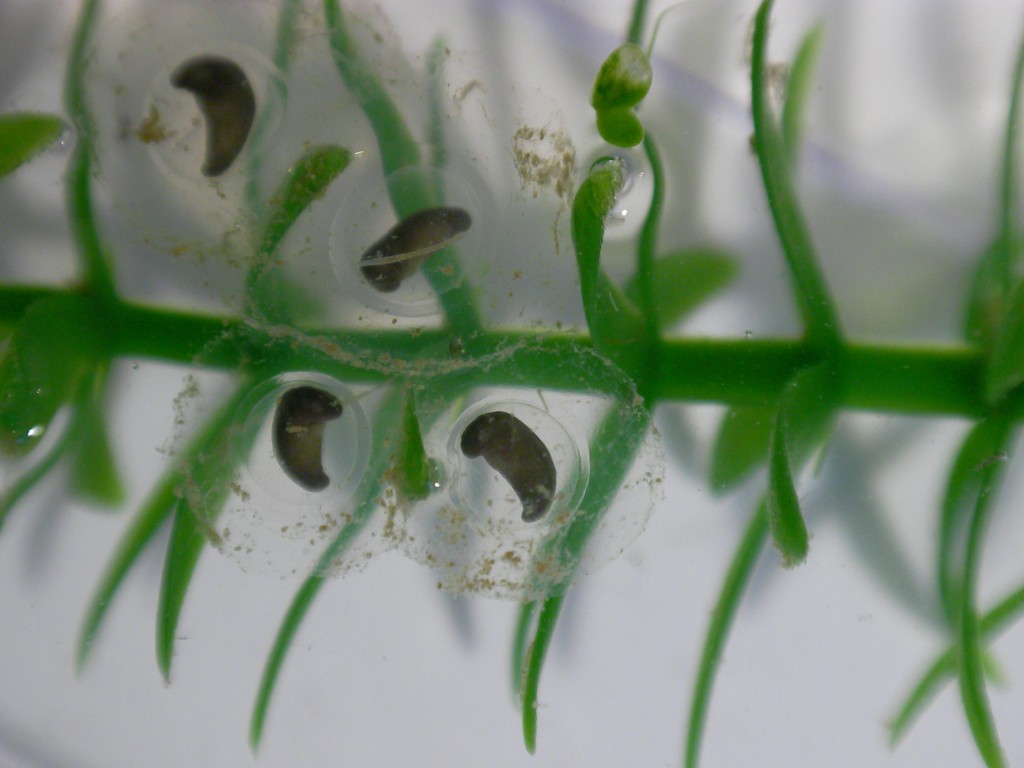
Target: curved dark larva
401,251
228,105
302,413
513,450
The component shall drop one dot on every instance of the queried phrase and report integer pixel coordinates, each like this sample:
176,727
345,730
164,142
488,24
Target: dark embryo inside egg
401,251
298,432
514,451
226,100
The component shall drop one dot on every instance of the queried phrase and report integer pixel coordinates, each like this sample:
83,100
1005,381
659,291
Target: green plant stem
286,18
645,269
913,380
736,580
1009,168
97,276
821,323
635,34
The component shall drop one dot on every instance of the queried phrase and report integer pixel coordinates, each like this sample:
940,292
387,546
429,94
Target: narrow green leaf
28,480
143,527
157,508
614,447
1007,611
798,90
386,431
821,322
986,299
785,521
94,474
413,469
23,135
1006,368
973,691
615,324
1008,239
183,551
520,644
683,280
741,445
307,181
206,477
646,276
623,79
620,126
98,274
805,414
981,447
736,580
542,635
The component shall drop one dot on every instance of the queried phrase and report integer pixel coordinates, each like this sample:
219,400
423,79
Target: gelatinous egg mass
226,100
405,246
513,450
299,421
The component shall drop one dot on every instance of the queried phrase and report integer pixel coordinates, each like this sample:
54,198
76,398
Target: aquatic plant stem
97,275
1010,167
821,322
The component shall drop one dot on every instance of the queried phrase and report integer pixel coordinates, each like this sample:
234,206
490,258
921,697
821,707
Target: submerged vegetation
406,409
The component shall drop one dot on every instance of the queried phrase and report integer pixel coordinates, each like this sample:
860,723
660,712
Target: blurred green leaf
1006,368
683,280
729,597
158,507
944,668
613,320
269,292
805,414
798,89
741,445
206,476
623,80
414,471
94,475
386,434
620,127
53,346
980,448
973,691
986,299
23,135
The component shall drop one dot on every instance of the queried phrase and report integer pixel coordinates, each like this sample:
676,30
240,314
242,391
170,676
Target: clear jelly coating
275,520
634,197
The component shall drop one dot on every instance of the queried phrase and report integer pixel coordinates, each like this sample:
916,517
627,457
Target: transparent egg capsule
301,448
199,115
184,98
516,468
398,264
